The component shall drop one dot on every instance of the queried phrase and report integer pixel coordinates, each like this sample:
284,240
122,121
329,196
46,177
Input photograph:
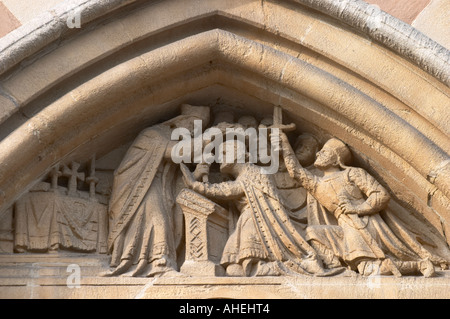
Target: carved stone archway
337,68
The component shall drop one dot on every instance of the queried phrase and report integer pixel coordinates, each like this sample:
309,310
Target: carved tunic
142,202
265,230
354,237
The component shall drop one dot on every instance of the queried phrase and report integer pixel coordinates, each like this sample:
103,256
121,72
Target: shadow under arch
150,85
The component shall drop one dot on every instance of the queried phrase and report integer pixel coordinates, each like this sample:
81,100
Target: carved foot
120,269
389,266
20,249
106,274
263,269
235,270
54,249
162,267
142,265
426,267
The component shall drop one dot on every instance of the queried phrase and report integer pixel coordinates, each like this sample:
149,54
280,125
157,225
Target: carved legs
368,267
425,267
396,267
254,267
327,255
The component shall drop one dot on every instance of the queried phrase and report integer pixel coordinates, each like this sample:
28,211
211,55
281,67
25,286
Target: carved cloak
133,178
142,201
276,238
352,237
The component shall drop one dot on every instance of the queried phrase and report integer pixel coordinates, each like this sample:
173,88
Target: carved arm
377,196
293,166
224,190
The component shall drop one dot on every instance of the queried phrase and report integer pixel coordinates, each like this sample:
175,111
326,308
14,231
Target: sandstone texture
88,176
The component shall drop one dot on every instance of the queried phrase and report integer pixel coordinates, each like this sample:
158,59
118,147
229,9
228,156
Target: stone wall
81,106
428,16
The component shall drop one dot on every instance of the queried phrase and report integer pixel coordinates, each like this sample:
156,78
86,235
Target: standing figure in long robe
345,219
265,240
142,238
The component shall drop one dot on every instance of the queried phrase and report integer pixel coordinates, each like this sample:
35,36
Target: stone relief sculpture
142,236
53,217
266,241
315,215
344,221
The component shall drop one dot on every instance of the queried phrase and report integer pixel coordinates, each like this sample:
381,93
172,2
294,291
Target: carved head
189,114
223,117
266,122
233,153
306,148
333,154
248,121
200,112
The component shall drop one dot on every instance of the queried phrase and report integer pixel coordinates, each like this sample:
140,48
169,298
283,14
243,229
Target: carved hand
348,208
361,209
284,139
279,140
188,177
201,172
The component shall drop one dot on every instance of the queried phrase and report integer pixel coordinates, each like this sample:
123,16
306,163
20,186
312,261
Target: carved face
306,151
187,122
232,155
326,158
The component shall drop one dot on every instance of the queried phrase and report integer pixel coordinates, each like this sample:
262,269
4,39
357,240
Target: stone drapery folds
381,88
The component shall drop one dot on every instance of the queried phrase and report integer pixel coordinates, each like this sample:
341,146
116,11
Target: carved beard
324,163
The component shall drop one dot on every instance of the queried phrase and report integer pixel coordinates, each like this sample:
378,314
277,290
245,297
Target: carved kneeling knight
265,241
345,225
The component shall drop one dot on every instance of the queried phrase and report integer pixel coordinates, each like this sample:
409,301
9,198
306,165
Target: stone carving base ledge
44,276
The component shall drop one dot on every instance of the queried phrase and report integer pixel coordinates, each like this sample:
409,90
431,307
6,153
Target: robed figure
266,241
143,231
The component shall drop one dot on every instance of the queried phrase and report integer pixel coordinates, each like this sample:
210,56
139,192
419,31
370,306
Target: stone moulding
393,33
383,88
212,45
435,171
47,287
48,27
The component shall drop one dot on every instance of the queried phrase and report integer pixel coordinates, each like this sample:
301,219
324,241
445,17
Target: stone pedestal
41,276
206,234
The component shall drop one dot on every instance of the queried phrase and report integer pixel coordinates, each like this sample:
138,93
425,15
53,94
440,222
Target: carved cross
278,124
74,176
278,120
54,174
92,180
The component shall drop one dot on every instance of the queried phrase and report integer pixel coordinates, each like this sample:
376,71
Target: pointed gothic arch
371,81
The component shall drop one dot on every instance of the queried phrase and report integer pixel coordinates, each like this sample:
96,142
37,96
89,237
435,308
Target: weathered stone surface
405,10
437,11
55,285
87,135
24,12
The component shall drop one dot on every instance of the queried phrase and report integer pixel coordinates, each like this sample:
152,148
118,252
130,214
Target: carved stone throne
207,230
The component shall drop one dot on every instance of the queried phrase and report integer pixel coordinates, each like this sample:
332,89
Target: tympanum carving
180,208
